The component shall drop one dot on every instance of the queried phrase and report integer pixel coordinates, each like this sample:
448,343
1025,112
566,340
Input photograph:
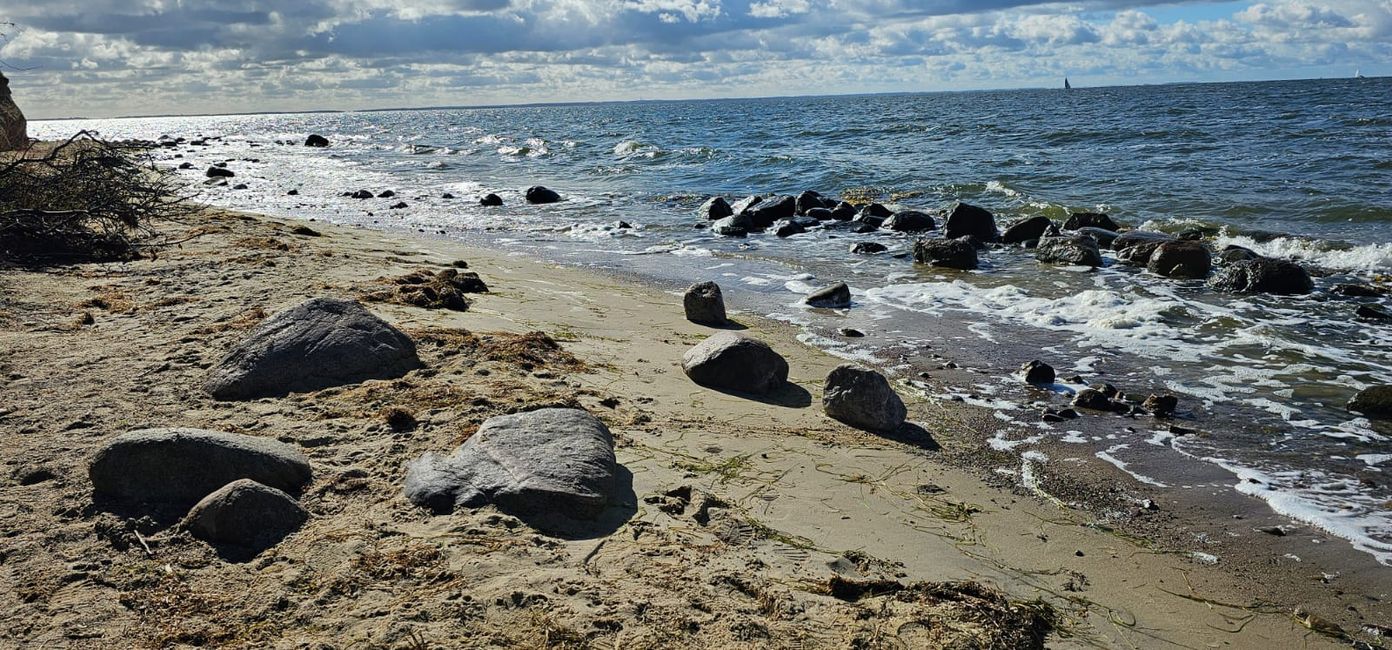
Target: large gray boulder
180,466
245,514
863,399
547,461
1263,275
1077,250
319,343
731,361
950,253
14,129
704,304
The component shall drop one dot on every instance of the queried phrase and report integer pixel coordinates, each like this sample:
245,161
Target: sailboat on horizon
1358,74
1066,85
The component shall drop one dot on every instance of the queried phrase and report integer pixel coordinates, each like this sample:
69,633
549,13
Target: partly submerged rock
1080,220
246,514
966,219
1023,231
1263,275
490,200
1181,258
316,140
714,208
1077,250
1374,402
705,304
1038,373
862,398
180,466
549,461
836,296
768,211
319,343
950,253
735,362
540,195
868,248
909,221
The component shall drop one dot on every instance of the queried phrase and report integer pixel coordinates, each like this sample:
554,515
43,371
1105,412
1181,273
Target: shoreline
808,492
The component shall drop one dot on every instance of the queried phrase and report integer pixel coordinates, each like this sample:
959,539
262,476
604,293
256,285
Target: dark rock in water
178,467
876,210
1193,234
362,194
850,332
1077,250
319,343
1032,228
386,194
1108,391
836,296
1232,254
446,195
1374,402
1138,237
787,228
245,514
316,140
542,195
843,212
293,193
187,165
239,186
863,399
548,461
1372,312
735,362
868,221
715,208
1263,275
1181,259
705,304
623,225
738,225
1080,220
771,210
490,200
950,253
219,172
1038,373
909,221
1091,398
1359,290
1104,237
745,203
967,219
868,248
809,200
820,214
1161,406
399,205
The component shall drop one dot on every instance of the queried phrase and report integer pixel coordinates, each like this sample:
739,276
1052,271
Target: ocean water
1300,170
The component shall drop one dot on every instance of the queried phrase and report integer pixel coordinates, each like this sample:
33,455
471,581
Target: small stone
836,296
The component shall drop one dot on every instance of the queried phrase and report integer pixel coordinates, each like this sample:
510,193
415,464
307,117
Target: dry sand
749,523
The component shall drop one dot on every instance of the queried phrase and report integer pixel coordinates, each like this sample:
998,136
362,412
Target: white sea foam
1366,257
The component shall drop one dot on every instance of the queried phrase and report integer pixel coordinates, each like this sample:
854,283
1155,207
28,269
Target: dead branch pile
83,200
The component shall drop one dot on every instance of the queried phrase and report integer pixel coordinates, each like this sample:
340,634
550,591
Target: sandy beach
748,523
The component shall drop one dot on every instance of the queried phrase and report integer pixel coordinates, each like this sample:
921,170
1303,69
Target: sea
1300,170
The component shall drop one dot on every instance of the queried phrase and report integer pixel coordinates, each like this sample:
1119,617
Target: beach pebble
1075,250
181,466
540,195
1080,220
1023,231
909,221
1181,259
319,343
966,219
1263,275
735,362
548,461
1038,373
862,398
836,296
246,514
704,304
950,253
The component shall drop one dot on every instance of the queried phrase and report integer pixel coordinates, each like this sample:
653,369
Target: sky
103,58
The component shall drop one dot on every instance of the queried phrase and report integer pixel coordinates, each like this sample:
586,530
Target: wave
1331,255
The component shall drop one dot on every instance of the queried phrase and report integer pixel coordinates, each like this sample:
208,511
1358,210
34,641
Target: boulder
843,212
316,140
14,129
1359,290
1181,259
1161,406
548,461
490,200
737,225
950,253
319,343
768,211
1080,220
745,203
735,362
876,210
1232,253
788,228
386,194
245,514
715,208
836,296
868,248
820,214
180,466
704,304
868,222
1263,275
1374,402
1105,238
1077,250
966,219
1098,400
219,172
810,200
362,194
1023,231
863,399
1372,312
1038,373
909,221
541,195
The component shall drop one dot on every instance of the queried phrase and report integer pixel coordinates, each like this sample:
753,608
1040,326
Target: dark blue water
1300,170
